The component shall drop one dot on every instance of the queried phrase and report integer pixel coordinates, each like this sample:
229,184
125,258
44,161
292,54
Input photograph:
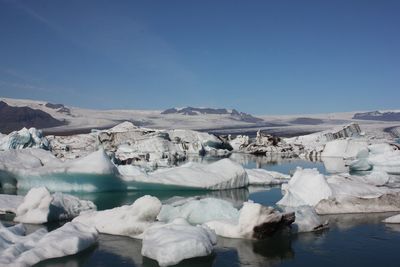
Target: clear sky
262,57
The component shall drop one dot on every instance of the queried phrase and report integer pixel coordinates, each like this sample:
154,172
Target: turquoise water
351,240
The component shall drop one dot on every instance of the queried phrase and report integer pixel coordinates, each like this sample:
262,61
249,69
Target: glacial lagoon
350,240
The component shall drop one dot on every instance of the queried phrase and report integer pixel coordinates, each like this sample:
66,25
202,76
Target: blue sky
263,57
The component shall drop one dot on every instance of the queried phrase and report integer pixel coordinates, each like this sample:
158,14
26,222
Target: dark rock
15,118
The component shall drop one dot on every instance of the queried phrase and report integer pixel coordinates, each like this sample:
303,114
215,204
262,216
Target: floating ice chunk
24,138
255,222
19,250
392,219
223,174
10,203
306,220
195,140
344,148
381,156
128,220
129,171
376,177
240,142
39,206
264,177
171,243
307,187
199,211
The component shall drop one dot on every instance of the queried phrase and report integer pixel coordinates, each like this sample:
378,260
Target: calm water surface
351,240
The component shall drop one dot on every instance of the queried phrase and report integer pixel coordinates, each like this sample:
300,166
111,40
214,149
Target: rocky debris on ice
339,193
128,220
265,177
265,144
255,222
18,249
314,144
223,174
392,219
24,138
39,206
139,146
73,146
10,203
198,211
384,157
171,243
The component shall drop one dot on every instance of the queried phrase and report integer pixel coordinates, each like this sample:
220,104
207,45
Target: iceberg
24,138
223,174
92,173
392,219
10,203
128,220
340,193
379,156
255,222
39,206
20,250
264,177
344,148
198,211
171,243
306,220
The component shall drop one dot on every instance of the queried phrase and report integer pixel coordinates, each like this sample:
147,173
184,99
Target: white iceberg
381,156
223,174
30,168
10,203
307,220
339,193
264,177
20,250
307,187
392,219
255,222
344,148
198,211
24,138
39,206
171,243
128,220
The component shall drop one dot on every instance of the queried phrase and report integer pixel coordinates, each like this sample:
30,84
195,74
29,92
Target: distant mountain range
378,116
15,118
191,111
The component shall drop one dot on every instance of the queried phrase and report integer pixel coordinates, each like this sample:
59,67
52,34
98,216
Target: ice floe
198,211
392,219
171,243
20,250
10,203
265,177
39,206
223,174
24,138
128,220
340,193
255,222
379,156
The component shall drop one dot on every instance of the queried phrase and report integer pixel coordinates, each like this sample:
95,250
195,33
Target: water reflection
269,252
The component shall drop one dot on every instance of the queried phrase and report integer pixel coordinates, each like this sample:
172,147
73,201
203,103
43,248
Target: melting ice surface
351,240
